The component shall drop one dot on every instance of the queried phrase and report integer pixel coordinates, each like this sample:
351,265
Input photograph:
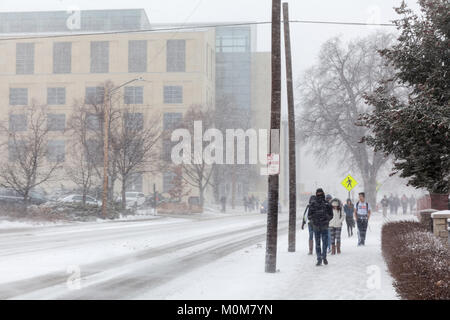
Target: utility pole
273,187
105,150
291,122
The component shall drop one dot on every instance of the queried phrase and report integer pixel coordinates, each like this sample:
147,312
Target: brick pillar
440,225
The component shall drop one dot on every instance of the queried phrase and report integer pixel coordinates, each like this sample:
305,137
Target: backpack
367,206
320,208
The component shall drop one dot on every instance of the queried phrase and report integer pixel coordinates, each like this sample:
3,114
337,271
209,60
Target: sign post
349,183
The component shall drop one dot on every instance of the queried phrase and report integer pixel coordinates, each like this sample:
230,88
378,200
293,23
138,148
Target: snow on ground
6,224
357,273
211,256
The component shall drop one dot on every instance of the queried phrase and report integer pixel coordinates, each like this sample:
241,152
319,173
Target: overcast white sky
306,38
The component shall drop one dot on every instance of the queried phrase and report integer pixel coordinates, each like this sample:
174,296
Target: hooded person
320,214
336,226
310,226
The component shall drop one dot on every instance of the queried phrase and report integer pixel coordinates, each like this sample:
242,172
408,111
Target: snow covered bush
418,261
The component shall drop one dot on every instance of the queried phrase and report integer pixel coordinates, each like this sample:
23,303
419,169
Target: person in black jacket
320,213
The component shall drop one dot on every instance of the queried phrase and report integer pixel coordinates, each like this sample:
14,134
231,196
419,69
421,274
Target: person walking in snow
362,216
391,204
320,214
336,226
404,201
412,203
245,201
309,223
384,205
348,209
328,198
223,201
396,204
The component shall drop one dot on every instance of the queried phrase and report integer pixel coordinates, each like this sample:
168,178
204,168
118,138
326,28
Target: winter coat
338,218
349,210
320,213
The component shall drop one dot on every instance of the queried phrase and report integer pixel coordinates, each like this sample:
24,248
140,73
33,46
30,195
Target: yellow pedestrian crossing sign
349,183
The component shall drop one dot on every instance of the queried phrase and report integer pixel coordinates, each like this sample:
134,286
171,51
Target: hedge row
417,260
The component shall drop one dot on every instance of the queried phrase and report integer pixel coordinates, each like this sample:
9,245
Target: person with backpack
336,226
320,214
310,226
348,209
362,216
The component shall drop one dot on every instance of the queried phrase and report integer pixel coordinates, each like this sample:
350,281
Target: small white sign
273,164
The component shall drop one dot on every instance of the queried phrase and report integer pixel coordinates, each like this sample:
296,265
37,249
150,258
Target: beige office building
42,62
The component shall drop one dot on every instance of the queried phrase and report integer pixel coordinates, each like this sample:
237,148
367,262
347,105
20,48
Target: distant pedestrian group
325,216
393,203
251,203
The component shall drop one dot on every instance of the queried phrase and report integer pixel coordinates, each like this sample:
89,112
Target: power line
200,26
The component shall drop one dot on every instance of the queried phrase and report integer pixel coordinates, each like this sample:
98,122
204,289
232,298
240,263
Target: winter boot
333,249
338,248
325,261
311,245
319,263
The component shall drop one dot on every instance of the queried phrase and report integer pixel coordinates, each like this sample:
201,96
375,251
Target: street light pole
106,116
105,151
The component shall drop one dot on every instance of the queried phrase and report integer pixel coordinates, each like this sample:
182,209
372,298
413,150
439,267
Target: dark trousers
321,246
362,223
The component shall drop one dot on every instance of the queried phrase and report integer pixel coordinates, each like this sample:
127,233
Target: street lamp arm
124,84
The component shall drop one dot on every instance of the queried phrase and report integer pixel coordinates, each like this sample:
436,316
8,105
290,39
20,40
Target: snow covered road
118,259
209,257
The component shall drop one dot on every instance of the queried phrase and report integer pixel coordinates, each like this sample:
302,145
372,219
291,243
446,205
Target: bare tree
135,146
27,164
197,173
333,98
179,187
81,166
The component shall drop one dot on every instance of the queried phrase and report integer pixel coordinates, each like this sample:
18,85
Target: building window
137,55
93,121
173,94
17,122
176,55
94,151
62,57
94,95
56,96
168,181
99,57
134,95
24,58
134,121
18,96
56,150
171,120
167,149
56,122
16,150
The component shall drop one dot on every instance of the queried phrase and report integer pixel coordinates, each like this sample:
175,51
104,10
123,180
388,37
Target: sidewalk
358,273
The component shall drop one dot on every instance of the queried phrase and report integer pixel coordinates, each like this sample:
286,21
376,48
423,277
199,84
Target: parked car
13,197
133,199
77,198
